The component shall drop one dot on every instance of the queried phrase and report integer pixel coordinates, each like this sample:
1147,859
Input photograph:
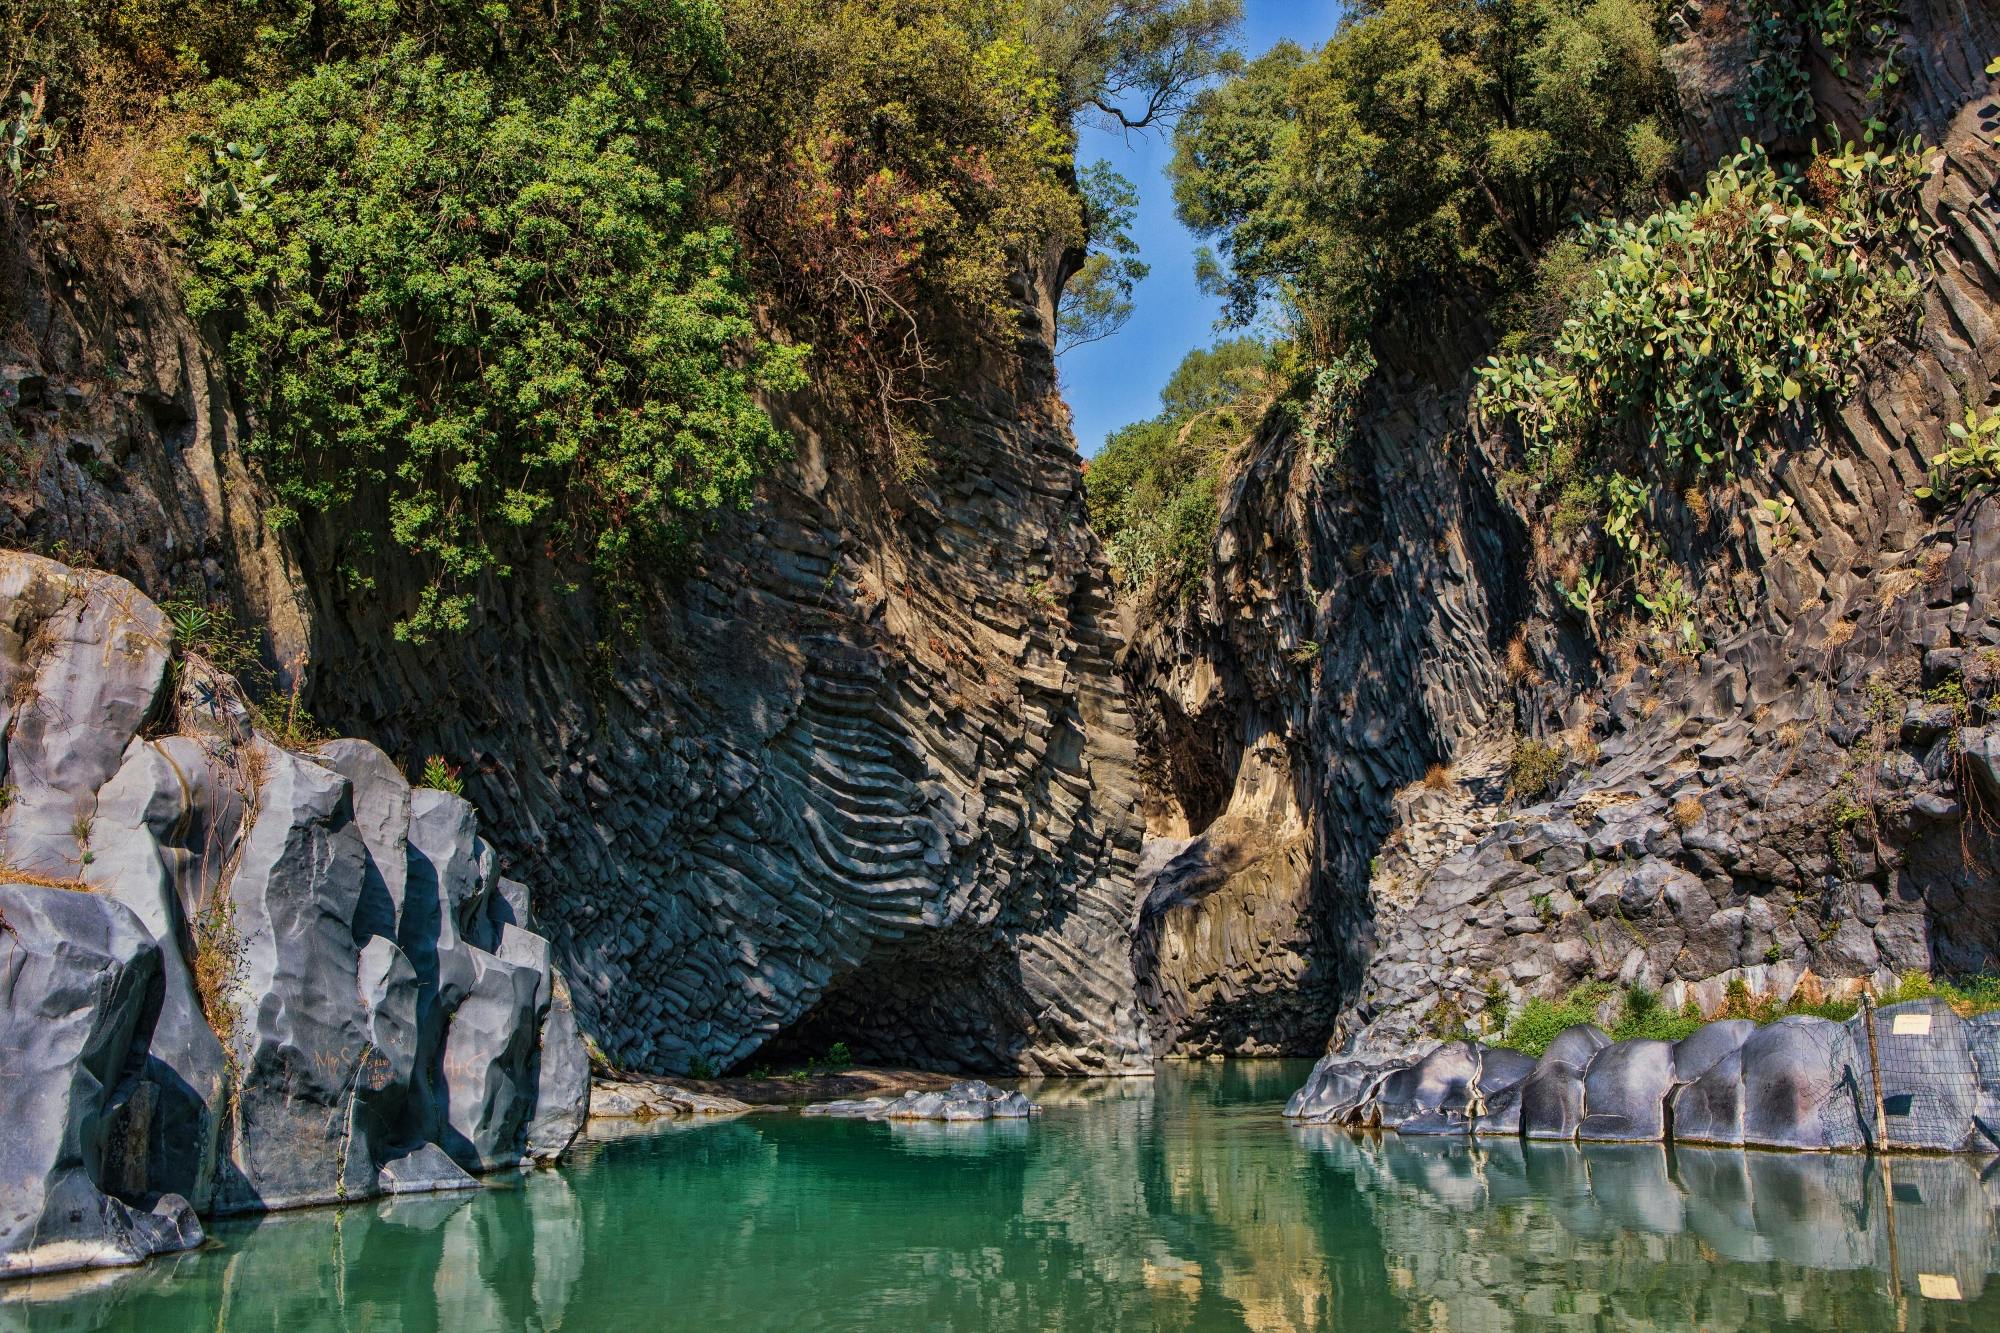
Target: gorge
658,479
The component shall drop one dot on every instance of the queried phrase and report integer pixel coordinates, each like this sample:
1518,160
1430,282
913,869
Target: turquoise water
1182,1202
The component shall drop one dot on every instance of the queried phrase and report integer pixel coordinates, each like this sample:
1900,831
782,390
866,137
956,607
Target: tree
1097,300
1134,63
1428,141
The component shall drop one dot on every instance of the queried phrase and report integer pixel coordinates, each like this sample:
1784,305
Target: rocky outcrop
860,773
1803,802
79,984
971,1099
241,976
1801,1083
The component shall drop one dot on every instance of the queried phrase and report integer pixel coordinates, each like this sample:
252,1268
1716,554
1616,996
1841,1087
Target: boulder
1625,1092
1696,1053
1551,1101
304,1045
1335,1091
1790,1085
1438,1089
80,983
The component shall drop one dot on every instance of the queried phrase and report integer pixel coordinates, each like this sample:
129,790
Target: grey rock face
387,1007
969,1099
1625,1092
1790,1085
80,977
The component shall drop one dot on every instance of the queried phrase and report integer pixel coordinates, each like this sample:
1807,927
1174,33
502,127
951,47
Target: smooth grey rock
1334,1090
562,1078
169,1121
1551,1101
1697,1053
1440,1088
484,1066
1576,1046
1790,1085
1625,1092
305,1049
80,980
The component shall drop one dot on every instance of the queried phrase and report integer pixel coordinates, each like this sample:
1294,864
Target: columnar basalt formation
861,774
1806,801
237,976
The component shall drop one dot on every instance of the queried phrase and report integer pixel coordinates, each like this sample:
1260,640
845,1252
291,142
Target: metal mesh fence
1931,1083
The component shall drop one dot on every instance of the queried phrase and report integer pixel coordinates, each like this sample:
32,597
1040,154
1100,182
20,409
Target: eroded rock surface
1802,1082
239,977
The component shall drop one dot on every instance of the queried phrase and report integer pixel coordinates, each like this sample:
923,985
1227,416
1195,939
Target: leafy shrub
1857,35
1641,1015
1708,319
498,312
1541,1021
1534,767
838,1056
1151,492
1973,464
1430,141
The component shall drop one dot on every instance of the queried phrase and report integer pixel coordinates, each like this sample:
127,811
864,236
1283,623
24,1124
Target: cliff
1806,800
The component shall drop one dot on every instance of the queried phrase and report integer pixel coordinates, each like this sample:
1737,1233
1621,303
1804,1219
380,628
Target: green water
1182,1202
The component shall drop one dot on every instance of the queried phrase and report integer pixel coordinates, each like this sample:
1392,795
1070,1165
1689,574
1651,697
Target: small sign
1911,1025
1938,1287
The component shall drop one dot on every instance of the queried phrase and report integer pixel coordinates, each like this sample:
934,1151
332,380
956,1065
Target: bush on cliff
1426,143
506,283
1151,492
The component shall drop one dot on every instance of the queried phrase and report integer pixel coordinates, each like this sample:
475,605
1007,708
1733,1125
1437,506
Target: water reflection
1493,1229
1180,1202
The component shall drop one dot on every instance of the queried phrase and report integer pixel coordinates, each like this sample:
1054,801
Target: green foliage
838,1056
1429,141
496,312
1972,464
1858,36
442,775
28,139
1975,994
1130,63
1713,317
1097,300
487,271
1151,492
1541,1021
1642,1016
1534,768
699,1067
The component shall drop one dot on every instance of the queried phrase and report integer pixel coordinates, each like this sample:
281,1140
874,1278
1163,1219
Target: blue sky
1111,383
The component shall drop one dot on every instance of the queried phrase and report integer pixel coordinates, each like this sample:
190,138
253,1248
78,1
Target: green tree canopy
1428,140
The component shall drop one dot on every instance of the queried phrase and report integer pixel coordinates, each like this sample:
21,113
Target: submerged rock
971,1099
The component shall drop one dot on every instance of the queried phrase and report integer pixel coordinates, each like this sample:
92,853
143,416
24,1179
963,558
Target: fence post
1881,1146
1875,1072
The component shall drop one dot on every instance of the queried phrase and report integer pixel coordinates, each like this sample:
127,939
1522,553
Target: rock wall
1808,799
235,976
862,774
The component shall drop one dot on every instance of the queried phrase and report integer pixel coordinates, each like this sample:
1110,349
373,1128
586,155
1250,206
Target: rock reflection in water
1687,1237
1180,1202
